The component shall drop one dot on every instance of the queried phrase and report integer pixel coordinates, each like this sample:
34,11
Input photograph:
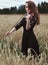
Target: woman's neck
30,13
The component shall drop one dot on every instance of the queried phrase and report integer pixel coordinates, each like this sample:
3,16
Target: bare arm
12,30
9,32
16,27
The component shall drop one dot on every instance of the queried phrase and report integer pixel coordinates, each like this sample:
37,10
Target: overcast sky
11,3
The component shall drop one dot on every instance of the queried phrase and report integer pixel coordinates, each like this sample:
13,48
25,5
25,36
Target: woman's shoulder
29,17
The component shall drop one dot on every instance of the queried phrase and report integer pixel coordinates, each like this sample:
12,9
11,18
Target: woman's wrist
12,30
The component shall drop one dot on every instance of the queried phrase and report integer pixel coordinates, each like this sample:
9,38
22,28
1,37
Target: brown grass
41,32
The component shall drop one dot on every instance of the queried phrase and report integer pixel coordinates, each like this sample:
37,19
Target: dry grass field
41,32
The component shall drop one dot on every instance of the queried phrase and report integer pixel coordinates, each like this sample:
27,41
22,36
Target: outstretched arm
16,27
9,32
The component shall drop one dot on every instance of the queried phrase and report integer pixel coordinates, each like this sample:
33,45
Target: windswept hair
34,9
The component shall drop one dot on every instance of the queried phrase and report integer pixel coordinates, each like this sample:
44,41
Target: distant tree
21,9
46,7
43,7
6,11
1,11
39,7
13,10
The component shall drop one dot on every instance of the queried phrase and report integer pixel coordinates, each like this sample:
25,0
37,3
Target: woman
28,22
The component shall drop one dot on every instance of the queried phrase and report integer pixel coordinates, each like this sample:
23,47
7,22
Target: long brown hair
34,9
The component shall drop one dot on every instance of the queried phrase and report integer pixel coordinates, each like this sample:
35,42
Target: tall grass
10,47
10,55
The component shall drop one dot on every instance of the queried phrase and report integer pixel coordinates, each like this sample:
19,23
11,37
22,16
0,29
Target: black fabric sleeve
18,25
32,22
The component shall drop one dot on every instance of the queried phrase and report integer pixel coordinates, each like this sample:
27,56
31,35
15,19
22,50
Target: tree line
42,7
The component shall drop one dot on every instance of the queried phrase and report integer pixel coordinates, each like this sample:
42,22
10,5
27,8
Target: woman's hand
7,33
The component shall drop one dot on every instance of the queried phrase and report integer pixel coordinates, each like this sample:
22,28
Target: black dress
29,39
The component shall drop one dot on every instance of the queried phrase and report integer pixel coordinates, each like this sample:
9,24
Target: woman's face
26,8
